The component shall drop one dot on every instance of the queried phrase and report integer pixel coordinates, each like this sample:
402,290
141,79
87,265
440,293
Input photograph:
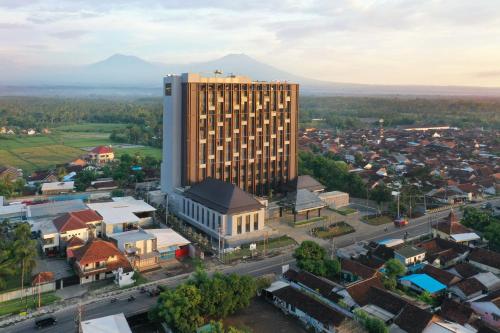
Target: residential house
451,229
485,260
464,270
49,237
10,173
468,289
116,323
352,271
460,313
102,155
448,327
445,277
123,214
444,253
140,248
39,177
409,255
489,280
58,188
309,311
78,224
325,289
98,260
488,308
422,283
170,244
413,319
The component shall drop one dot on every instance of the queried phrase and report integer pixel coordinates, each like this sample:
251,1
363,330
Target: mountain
126,74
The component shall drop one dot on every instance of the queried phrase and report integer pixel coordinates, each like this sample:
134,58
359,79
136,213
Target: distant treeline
144,115
355,112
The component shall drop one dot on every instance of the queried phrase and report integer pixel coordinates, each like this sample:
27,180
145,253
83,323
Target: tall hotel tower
229,128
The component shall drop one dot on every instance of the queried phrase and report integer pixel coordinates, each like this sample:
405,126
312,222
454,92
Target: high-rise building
229,128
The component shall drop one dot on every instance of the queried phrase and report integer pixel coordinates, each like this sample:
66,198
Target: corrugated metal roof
425,282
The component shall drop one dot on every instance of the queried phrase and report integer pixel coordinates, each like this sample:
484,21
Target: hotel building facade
232,129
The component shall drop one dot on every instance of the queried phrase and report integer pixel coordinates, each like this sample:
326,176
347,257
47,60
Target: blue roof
425,282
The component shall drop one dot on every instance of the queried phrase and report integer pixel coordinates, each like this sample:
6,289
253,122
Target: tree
24,250
309,250
477,219
84,179
179,308
394,268
311,257
371,324
492,234
381,193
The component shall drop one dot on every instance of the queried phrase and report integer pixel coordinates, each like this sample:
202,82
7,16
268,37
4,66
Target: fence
27,291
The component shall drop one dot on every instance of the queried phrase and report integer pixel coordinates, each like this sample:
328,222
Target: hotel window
203,216
219,221
247,223
197,212
168,89
256,221
238,224
192,209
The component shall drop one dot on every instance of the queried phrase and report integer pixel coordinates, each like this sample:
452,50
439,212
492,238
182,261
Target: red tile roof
76,220
42,278
357,269
75,242
452,226
102,150
96,250
485,257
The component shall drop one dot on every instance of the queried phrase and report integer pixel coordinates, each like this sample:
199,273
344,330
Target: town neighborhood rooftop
110,324
167,237
425,282
121,210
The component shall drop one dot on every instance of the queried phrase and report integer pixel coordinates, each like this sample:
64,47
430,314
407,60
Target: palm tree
24,250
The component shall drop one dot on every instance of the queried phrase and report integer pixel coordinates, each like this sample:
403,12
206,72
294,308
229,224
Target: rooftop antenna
217,72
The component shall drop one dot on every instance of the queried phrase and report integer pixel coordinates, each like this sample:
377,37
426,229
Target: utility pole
78,319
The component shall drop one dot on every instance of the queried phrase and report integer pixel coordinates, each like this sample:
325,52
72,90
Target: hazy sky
454,42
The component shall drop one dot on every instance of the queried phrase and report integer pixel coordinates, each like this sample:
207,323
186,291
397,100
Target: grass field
377,220
63,145
18,305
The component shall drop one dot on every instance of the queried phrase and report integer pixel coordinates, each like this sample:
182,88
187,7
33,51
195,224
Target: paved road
66,317
416,227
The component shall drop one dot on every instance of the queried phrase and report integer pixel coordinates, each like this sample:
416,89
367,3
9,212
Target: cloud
69,34
394,41
488,74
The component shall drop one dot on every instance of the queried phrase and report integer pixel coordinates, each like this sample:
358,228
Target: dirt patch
263,317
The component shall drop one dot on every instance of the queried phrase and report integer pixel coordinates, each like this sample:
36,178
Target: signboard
253,247
285,268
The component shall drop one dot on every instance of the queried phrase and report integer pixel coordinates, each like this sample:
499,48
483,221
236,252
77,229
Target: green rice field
64,144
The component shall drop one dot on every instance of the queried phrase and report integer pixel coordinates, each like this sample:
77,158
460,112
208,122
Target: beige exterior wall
80,233
203,217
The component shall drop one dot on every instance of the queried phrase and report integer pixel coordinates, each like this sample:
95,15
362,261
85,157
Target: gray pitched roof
225,198
304,182
303,200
